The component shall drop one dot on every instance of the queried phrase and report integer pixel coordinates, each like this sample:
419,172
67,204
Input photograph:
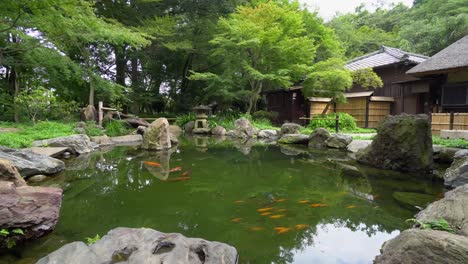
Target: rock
460,154
79,130
33,209
350,170
9,173
157,136
37,178
242,129
453,208
338,141
457,174
268,133
294,139
77,144
141,130
412,199
174,140
102,140
88,113
175,130
136,122
403,143
144,245
447,155
318,138
293,150
80,124
29,163
290,128
417,246
127,140
188,128
357,145
201,131
218,130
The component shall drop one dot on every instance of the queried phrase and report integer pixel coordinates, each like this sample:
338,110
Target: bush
272,116
346,123
181,120
116,128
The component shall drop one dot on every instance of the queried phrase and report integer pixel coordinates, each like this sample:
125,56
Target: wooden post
100,113
337,123
367,112
451,120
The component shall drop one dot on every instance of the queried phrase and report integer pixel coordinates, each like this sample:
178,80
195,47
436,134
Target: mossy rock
412,199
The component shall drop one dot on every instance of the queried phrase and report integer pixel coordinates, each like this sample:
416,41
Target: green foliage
346,122
92,240
366,78
184,119
36,102
116,128
4,232
93,130
440,224
453,143
18,231
28,133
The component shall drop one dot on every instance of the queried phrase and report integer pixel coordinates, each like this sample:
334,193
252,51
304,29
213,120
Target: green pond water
322,213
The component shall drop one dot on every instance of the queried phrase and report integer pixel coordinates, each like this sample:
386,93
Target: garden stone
141,130
461,153
290,128
175,130
144,245
37,178
242,129
77,144
188,128
29,163
453,208
33,209
80,124
88,113
201,131
136,122
403,143
357,145
79,130
447,155
268,133
418,246
457,174
127,140
350,170
8,172
318,138
338,141
218,130
101,140
294,139
157,136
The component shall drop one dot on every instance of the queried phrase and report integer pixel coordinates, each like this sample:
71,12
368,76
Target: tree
259,47
36,102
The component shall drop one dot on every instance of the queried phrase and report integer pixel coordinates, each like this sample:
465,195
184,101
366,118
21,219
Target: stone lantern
201,125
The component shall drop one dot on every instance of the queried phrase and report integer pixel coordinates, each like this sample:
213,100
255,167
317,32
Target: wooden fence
448,121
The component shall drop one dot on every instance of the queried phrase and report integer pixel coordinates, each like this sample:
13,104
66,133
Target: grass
28,133
453,143
116,128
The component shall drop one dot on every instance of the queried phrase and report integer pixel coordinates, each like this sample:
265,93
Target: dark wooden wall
290,105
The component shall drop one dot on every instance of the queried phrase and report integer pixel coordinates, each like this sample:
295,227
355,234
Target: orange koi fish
301,226
151,163
277,216
265,209
266,213
315,205
256,228
282,230
280,200
303,201
236,220
239,201
175,169
351,206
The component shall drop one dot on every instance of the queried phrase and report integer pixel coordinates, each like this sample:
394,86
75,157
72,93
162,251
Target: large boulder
357,145
8,172
188,128
453,208
143,245
77,144
338,141
157,136
318,138
403,143
290,128
242,129
294,139
136,122
268,134
457,174
175,130
34,210
218,131
88,113
29,163
417,246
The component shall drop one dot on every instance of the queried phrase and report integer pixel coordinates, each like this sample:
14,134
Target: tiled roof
382,57
454,56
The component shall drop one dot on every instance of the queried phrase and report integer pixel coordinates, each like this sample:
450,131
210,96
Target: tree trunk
91,91
134,75
256,90
120,65
15,88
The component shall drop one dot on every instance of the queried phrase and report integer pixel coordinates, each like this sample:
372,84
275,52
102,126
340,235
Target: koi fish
175,169
239,201
277,216
256,228
265,209
236,220
282,210
282,230
179,179
280,200
266,213
315,205
301,226
351,206
303,201
151,163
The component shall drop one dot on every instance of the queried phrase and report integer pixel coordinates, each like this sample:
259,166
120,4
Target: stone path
49,151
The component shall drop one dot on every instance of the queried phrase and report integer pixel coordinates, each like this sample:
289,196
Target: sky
328,8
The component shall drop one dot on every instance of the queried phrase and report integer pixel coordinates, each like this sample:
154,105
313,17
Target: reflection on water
274,204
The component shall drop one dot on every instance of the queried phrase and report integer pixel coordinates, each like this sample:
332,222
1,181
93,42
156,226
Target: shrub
346,123
116,128
181,120
36,103
272,116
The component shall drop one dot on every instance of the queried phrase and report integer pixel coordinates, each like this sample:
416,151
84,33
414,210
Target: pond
274,204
